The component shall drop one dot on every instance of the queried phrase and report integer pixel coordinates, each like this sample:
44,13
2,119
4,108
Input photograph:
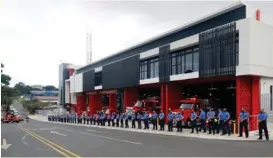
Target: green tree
50,88
22,88
8,94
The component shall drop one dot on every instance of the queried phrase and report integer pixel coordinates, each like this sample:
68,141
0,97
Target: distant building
45,96
65,71
38,87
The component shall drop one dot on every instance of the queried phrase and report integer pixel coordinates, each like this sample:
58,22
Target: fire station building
226,57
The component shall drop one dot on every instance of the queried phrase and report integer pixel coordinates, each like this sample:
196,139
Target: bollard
234,127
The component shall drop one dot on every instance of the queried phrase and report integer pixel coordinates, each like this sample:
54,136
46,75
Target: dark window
188,62
185,61
98,78
149,68
196,61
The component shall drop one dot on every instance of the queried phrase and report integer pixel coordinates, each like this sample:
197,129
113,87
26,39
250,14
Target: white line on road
95,131
23,139
58,133
121,140
5,146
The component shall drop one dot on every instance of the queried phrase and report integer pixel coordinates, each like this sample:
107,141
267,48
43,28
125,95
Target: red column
94,103
255,101
130,96
173,96
80,103
248,97
112,102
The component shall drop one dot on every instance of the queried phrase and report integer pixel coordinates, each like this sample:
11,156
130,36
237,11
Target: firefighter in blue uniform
133,117
262,118
117,119
146,120
139,117
109,119
99,118
48,117
226,127
102,119
193,122
121,117
179,118
220,124
243,122
126,120
113,119
203,121
90,119
84,118
170,121
212,123
161,121
154,120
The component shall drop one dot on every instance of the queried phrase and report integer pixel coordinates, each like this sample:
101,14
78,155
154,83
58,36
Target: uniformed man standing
109,119
99,118
103,119
161,121
226,127
117,120
90,119
220,124
262,118
139,118
146,120
126,120
179,118
113,119
84,118
193,122
133,117
243,123
203,121
121,117
170,121
210,116
154,120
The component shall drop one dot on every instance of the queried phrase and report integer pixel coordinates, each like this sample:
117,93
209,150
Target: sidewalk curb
188,135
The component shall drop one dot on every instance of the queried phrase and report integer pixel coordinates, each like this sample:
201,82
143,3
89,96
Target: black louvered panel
164,63
218,51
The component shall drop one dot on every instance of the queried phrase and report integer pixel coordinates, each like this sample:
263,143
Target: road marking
95,131
5,146
110,138
62,153
58,133
54,146
23,139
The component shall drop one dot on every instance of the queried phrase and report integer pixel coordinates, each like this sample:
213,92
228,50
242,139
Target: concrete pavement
93,142
185,133
22,144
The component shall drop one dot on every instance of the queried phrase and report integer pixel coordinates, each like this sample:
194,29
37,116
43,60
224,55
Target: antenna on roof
88,45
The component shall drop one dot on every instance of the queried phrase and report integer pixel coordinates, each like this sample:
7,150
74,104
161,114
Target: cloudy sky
37,35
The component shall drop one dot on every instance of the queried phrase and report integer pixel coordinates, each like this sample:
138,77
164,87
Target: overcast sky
37,35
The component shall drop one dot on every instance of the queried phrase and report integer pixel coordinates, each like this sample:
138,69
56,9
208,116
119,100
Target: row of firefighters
215,122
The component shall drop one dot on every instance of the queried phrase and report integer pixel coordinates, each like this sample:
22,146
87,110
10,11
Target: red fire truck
187,105
149,105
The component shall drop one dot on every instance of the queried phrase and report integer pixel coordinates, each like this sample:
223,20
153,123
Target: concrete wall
67,91
78,83
255,48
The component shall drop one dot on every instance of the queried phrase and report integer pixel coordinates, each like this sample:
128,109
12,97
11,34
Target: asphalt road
96,142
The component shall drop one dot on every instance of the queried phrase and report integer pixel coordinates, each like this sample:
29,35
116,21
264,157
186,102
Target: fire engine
187,105
149,105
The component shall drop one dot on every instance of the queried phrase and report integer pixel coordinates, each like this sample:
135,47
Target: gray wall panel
124,73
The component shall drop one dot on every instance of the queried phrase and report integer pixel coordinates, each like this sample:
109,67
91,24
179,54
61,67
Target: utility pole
88,45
